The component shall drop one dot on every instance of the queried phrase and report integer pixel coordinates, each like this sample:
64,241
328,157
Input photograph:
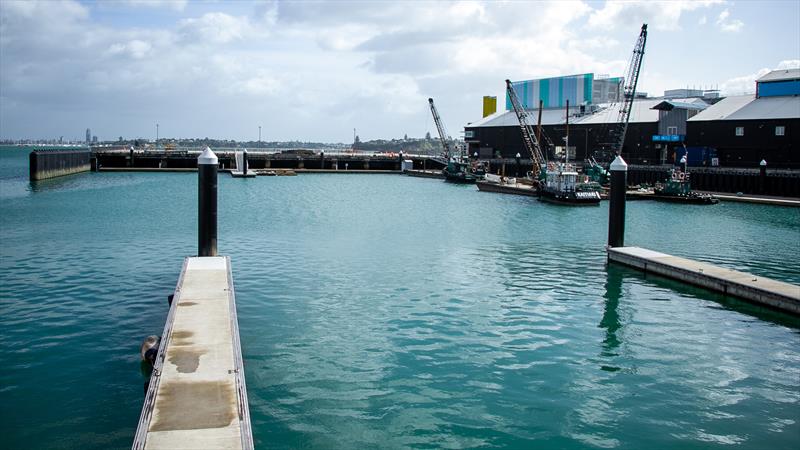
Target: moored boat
458,172
562,186
678,189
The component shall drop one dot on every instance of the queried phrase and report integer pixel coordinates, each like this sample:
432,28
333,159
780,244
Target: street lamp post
259,134
156,134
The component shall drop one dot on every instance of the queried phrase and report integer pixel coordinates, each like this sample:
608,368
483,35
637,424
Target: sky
314,71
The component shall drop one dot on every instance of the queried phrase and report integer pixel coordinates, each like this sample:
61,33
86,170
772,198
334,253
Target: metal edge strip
241,388
140,437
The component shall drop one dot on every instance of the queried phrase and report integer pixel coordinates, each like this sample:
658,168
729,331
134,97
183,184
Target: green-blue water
380,311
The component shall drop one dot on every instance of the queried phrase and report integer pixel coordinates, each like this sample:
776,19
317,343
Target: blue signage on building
667,138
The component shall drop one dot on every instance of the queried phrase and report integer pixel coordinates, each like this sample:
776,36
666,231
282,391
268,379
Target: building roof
669,105
747,107
780,75
509,118
642,112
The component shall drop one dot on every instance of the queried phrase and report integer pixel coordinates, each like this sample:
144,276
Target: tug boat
459,172
561,185
677,189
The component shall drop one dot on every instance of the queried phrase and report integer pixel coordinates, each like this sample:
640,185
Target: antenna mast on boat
566,158
529,138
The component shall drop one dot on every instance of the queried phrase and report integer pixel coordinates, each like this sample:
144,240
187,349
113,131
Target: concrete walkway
761,290
752,198
197,396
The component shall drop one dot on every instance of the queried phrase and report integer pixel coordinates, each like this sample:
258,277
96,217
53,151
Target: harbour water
381,311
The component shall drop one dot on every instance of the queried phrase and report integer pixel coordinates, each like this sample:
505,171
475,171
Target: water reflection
610,320
57,183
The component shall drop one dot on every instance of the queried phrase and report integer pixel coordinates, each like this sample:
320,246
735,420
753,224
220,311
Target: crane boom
630,80
529,138
442,132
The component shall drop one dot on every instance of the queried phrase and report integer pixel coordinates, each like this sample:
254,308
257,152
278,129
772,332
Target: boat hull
459,178
570,198
686,199
528,191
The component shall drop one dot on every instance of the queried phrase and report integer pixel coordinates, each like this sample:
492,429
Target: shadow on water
616,276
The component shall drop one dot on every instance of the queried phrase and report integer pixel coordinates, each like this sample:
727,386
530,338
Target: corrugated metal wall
779,88
675,118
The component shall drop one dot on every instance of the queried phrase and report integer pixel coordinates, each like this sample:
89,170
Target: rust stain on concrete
194,405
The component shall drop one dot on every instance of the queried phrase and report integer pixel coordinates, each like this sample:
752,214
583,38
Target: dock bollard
616,206
207,203
762,176
244,162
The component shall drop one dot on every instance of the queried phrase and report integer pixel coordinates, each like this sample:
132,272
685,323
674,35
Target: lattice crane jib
528,134
442,132
629,92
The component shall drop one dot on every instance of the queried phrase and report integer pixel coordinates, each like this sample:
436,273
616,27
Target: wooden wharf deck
197,396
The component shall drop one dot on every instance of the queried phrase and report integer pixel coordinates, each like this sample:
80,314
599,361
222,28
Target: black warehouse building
740,131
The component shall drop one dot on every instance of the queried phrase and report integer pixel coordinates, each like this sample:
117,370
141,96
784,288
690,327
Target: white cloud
284,65
728,26
788,64
215,27
703,20
746,84
659,15
177,5
135,48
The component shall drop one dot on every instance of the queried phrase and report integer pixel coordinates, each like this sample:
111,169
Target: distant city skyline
313,71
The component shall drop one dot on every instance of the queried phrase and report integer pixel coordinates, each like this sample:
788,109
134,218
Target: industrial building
659,128
745,129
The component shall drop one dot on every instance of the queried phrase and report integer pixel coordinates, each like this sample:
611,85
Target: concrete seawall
52,164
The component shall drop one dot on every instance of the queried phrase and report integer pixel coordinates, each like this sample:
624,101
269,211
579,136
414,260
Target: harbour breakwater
261,160
44,164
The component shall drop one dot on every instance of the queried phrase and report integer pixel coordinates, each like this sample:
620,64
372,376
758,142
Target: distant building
581,89
744,129
88,135
94,139
741,129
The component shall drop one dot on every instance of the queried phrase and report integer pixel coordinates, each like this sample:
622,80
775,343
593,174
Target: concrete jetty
197,396
757,289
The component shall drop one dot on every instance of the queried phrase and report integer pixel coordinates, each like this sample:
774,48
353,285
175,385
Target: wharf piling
616,207
44,164
207,203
